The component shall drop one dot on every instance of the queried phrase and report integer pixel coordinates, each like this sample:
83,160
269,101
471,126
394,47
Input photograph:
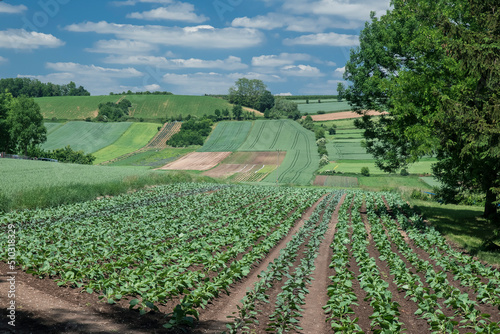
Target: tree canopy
434,67
25,125
251,93
34,88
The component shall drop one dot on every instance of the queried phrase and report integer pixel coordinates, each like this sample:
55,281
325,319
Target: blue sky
186,47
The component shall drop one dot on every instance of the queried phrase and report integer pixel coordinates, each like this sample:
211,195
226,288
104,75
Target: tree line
35,88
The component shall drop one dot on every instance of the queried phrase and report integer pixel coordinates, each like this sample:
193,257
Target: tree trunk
490,209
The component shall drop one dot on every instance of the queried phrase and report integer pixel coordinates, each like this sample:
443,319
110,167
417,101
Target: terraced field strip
86,136
227,136
343,115
158,142
336,181
135,138
197,161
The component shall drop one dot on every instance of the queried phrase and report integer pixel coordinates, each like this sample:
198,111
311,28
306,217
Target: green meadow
86,136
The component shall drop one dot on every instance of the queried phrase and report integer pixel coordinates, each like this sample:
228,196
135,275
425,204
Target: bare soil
344,115
197,161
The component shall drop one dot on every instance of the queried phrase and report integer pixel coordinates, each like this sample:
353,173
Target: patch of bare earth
313,318
255,111
344,115
197,161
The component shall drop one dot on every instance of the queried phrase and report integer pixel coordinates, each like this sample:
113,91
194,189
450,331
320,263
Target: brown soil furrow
215,317
407,308
313,317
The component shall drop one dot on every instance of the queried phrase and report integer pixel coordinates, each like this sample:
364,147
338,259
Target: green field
148,107
86,136
301,159
354,167
328,107
51,127
227,137
136,136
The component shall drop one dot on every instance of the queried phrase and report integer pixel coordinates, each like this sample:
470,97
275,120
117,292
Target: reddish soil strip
43,307
253,110
214,318
344,115
226,170
197,161
255,158
313,318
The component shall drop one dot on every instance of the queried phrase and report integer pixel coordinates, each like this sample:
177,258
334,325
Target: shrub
404,172
321,112
365,171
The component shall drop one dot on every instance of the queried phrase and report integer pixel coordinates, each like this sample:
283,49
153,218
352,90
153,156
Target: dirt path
313,317
214,318
40,311
343,115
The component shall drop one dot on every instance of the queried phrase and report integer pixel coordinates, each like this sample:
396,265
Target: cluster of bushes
113,112
283,109
66,154
35,88
193,132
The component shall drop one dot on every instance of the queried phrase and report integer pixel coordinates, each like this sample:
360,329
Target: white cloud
279,60
339,72
210,83
231,63
23,40
354,10
297,23
11,9
3,60
324,39
93,70
320,88
134,2
122,46
98,80
176,12
284,94
301,71
153,87
194,37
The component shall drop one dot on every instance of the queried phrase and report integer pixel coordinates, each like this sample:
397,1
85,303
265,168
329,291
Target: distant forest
35,88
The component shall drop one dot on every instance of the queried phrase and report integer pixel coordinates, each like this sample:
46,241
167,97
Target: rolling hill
148,107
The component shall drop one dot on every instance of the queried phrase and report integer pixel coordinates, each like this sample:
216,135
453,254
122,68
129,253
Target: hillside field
134,138
148,107
328,106
86,136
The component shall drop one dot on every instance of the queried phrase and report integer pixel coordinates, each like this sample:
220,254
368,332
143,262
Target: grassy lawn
463,225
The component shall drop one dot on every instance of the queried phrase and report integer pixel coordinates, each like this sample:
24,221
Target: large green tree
434,66
249,93
5,101
25,124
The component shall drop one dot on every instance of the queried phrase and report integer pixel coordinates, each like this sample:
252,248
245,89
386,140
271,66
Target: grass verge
463,226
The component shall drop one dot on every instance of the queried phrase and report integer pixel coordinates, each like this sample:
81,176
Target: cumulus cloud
153,87
301,71
98,80
11,9
339,72
231,63
3,60
324,39
23,40
134,2
176,12
211,83
279,60
122,46
195,37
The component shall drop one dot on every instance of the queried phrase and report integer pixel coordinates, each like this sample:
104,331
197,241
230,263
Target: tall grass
51,196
